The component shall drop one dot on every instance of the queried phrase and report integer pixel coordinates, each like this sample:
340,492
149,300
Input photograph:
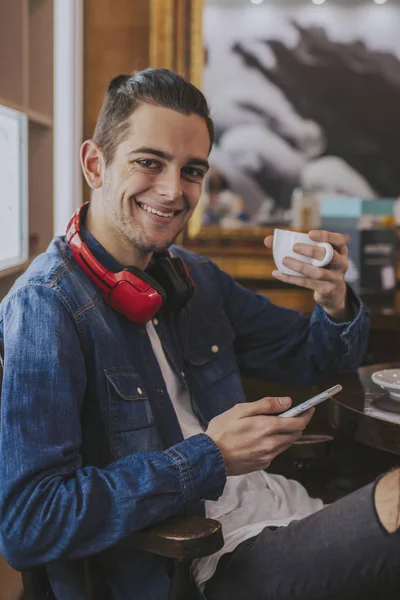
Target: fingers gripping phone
297,410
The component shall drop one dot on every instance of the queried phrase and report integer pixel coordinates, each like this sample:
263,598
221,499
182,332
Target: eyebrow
194,160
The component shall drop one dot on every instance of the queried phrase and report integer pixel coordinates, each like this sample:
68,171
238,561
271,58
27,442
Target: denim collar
99,252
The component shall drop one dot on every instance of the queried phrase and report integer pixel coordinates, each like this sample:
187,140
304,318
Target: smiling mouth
159,213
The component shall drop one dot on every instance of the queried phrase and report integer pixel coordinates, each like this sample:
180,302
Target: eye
193,172
148,163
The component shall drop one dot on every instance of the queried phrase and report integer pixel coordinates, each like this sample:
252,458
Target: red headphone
132,292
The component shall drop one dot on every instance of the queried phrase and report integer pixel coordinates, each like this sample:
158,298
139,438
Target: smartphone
297,410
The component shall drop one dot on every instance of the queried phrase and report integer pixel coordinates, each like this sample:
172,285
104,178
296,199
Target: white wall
68,109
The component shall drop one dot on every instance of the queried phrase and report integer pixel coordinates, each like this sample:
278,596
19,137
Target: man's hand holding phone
251,435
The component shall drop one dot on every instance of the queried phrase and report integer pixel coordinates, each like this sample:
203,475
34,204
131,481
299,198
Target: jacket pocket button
215,349
139,391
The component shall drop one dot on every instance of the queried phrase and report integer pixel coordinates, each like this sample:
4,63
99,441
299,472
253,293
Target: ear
92,162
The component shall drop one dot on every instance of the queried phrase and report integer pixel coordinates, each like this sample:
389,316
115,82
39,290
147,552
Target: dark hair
159,87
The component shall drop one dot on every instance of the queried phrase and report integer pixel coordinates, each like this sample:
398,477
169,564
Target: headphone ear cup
143,276
172,274
184,283
136,305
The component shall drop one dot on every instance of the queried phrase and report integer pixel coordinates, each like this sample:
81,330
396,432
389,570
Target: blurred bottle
306,212
396,211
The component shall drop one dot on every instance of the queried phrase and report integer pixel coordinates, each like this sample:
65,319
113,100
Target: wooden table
351,411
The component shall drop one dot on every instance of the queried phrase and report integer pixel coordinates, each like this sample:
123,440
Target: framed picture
13,188
305,99
176,37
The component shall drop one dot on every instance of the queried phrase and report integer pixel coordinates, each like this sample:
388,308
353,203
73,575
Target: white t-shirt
250,502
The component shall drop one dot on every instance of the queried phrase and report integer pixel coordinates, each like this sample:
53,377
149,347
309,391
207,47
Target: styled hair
159,87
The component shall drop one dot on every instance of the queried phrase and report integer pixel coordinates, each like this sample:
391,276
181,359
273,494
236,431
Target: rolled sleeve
200,467
349,339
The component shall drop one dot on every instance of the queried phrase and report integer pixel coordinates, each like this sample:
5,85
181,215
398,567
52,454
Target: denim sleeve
51,507
279,344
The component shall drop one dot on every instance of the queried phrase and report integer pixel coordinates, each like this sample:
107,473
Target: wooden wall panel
116,40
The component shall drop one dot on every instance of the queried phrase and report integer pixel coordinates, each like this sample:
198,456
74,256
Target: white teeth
154,211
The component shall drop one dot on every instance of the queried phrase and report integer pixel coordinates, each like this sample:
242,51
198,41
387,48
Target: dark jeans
341,552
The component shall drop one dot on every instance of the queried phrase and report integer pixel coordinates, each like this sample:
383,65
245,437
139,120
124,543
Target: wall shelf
39,118
9,103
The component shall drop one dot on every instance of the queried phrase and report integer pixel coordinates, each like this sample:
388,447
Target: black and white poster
302,96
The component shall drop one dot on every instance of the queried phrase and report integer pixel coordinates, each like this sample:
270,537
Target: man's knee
387,500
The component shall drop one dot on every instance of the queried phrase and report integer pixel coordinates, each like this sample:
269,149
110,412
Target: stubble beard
136,238
132,235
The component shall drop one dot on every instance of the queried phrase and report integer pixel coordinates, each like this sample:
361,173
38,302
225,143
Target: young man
122,402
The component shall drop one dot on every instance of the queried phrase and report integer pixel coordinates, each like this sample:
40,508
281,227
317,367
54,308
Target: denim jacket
82,380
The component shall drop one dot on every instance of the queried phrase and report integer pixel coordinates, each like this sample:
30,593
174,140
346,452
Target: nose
169,184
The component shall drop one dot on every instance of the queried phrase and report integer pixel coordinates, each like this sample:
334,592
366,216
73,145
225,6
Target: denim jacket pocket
130,412
128,400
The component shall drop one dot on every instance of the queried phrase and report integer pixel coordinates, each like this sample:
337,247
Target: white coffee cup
284,240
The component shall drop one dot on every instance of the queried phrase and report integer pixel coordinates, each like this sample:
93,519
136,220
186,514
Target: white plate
389,380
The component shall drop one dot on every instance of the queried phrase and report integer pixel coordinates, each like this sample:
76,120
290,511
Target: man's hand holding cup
317,261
